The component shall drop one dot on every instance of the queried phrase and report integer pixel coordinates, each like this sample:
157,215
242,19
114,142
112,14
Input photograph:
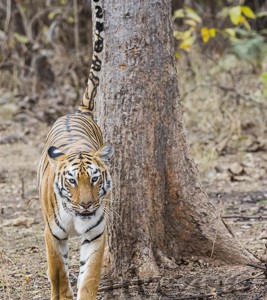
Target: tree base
193,281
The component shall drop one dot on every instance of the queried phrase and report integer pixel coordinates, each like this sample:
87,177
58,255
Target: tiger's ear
55,155
106,152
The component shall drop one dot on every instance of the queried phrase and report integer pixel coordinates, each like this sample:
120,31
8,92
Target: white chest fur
67,224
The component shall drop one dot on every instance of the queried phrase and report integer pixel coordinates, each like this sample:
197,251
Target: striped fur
75,185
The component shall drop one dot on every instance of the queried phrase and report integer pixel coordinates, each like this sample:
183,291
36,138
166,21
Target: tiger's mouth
81,212
86,212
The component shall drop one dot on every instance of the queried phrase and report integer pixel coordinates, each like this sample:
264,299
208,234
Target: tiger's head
81,179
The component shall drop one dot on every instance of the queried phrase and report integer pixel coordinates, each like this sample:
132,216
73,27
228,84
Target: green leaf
244,21
261,14
263,77
178,35
21,38
190,22
252,49
212,32
205,34
186,34
182,35
190,13
177,55
187,43
53,14
235,14
247,11
70,19
224,12
230,32
179,13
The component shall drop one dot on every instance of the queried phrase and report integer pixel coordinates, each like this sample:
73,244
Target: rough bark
163,210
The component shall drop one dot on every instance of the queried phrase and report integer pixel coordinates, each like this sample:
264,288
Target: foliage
232,25
53,28
249,46
263,78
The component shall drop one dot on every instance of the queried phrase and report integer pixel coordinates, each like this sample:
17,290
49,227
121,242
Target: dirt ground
234,175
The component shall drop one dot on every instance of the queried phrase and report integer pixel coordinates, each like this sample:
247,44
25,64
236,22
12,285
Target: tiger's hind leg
91,258
57,258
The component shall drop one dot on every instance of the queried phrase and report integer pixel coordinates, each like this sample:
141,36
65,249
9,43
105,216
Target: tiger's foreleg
90,267
57,258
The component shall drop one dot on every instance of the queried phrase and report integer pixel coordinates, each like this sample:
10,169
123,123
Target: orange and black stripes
75,186
71,134
72,128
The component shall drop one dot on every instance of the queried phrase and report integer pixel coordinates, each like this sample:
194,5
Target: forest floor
235,176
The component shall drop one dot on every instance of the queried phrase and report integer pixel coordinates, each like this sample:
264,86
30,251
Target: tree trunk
164,212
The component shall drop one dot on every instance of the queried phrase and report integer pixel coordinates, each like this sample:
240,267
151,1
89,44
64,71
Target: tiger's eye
94,179
72,181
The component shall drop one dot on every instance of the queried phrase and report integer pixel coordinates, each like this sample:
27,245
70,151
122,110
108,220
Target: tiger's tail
88,101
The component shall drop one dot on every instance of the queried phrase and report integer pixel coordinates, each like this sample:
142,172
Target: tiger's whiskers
111,212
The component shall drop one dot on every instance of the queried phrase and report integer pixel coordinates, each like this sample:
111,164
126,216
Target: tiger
75,186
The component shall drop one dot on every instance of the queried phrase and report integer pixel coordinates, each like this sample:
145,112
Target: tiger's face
82,179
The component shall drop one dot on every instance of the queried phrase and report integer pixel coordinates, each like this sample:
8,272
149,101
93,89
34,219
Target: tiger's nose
86,205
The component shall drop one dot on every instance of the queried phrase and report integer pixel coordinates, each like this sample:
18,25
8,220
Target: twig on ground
127,283
228,228
217,228
260,267
207,296
200,296
245,218
250,278
256,266
22,193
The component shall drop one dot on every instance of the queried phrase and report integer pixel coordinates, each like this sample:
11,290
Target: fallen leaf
28,278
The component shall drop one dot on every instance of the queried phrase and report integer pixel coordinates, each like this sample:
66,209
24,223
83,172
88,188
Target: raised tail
88,101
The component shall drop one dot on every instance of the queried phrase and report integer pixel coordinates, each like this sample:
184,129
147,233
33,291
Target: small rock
236,169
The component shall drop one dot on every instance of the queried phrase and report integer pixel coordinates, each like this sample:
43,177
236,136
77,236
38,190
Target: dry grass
225,109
